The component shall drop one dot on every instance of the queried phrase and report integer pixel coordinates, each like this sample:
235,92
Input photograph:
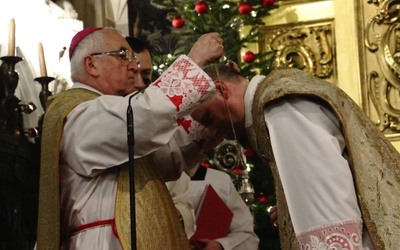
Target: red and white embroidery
339,236
185,84
197,132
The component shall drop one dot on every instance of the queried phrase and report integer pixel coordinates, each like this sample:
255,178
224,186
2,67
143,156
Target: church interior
354,44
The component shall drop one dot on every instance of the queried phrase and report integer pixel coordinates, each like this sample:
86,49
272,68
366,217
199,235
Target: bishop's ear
90,66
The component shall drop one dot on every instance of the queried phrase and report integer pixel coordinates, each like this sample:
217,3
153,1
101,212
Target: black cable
131,144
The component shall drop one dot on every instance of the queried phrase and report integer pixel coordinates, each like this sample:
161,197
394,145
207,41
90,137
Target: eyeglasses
125,54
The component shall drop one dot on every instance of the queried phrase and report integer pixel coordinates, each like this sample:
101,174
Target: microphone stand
131,143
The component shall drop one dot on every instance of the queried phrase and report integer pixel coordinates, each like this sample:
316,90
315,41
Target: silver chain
231,121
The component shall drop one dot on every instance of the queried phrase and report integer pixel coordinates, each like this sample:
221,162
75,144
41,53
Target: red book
213,217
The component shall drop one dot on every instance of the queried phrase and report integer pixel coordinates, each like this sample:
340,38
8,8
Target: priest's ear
221,88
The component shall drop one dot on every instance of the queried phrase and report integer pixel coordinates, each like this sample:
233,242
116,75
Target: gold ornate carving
382,38
307,46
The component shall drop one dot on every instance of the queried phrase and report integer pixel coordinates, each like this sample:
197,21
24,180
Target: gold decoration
306,46
382,39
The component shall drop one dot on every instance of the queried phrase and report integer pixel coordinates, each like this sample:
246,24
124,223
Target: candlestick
44,93
11,77
10,118
42,61
11,38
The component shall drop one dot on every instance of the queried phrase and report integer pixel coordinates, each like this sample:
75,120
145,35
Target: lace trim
185,84
197,132
338,236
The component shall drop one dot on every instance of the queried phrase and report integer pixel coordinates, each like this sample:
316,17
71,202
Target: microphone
131,144
129,119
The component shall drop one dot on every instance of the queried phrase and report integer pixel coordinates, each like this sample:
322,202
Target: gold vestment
374,162
157,221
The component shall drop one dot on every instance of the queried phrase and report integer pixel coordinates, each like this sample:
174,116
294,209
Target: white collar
248,99
84,86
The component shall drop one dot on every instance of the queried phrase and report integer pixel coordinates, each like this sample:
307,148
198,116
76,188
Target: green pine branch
222,17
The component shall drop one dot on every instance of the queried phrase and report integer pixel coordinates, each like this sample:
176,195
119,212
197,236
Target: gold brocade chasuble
374,162
157,222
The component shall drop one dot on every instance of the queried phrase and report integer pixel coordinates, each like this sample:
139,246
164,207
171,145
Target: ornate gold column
381,61
354,44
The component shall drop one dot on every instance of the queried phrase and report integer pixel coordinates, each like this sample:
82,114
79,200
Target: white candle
42,61
11,38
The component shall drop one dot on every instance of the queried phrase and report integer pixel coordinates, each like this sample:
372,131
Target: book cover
213,217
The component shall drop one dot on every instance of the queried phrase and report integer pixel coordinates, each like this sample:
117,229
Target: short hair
95,40
136,44
219,71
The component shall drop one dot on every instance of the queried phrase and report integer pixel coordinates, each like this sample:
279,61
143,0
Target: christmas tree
237,23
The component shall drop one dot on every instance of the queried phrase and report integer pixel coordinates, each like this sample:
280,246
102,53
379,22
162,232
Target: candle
42,62
11,38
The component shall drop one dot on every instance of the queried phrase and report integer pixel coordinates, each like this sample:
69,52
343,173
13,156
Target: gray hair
94,42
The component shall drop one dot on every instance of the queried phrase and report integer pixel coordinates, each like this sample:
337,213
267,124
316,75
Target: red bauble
237,170
262,198
267,3
178,22
206,164
249,57
249,151
201,7
245,8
